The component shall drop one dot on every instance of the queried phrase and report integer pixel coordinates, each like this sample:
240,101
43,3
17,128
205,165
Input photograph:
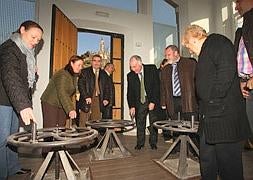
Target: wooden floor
140,166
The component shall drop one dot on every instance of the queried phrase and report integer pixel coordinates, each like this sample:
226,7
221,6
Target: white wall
208,14
137,29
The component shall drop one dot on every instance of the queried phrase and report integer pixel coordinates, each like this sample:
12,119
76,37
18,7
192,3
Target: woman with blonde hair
223,121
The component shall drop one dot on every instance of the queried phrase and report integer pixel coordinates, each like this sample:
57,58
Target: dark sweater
218,91
14,89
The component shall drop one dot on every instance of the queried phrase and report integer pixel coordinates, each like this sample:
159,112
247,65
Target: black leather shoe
138,147
23,171
153,146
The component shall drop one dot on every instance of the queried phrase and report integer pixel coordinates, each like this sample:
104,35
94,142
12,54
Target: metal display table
60,137
110,146
183,167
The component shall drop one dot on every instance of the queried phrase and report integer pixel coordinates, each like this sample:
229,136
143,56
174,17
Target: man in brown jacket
177,86
178,97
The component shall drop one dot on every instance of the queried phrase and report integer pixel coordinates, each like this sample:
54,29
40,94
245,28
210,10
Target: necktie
96,83
176,83
142,89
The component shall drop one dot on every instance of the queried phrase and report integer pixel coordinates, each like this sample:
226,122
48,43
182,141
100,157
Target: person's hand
244,89
151,106
27,115
72,114
105,102
163,107
250,83
88,100
132,112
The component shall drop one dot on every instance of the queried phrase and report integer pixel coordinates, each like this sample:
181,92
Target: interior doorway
110,46
64,43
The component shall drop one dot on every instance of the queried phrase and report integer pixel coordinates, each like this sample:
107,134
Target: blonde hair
195,31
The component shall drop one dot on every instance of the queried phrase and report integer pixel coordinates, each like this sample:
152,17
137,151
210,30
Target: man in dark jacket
94,91
223,123
107,111
143,98
244,50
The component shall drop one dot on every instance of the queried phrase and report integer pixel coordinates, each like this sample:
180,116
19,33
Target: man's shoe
23,171
138,147
153,146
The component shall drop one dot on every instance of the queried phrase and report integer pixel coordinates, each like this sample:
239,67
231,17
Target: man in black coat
107,111
143,98
223,122
244,50
94,91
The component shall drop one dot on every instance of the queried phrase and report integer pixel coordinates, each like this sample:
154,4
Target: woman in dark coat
223,122
17,78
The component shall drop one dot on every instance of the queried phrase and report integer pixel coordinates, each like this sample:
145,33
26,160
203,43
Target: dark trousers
142,112
249,108
178,108
107,112
183,115
53,116
223,159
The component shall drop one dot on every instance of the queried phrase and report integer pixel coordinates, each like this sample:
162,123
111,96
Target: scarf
30,58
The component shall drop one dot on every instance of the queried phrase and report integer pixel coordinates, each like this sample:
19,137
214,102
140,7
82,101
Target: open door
63,40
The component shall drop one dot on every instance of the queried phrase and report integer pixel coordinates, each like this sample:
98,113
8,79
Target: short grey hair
137,58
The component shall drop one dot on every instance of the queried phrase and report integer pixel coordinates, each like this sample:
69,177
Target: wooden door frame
112,35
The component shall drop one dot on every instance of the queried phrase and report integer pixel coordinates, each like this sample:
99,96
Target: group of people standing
171,88
95,86
18,74
214,88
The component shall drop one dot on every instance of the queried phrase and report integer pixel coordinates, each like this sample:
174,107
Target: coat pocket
215,108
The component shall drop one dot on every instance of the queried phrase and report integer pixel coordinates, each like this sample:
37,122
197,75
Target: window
90,44
238,20
165,28
13,13
128,5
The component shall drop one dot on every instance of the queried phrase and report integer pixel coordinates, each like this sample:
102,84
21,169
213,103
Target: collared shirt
107,73
141,73
94,71
244,65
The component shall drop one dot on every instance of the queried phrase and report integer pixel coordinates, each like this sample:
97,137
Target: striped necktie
176,83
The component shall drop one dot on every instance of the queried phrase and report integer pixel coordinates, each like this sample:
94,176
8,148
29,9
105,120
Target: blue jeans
9,124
